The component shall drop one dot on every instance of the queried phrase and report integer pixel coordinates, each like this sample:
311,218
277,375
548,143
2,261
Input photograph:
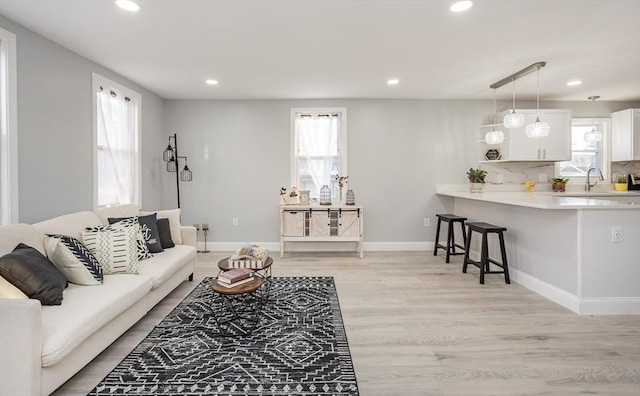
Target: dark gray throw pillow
165,234
31,272
149,230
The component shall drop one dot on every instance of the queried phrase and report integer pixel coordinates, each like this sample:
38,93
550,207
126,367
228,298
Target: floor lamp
171,157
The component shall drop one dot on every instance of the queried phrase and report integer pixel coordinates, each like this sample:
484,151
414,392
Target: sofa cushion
8,290
31,272
114,246
69,224
128,210
163,265
164,232
141,243
174,222
149,229
73,259
85,310
12,234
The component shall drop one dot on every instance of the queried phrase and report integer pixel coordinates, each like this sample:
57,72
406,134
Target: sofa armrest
189,236
20,347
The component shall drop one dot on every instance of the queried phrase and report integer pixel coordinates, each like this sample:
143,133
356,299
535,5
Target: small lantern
351,198
325,195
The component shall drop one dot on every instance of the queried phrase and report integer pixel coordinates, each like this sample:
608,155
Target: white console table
317,223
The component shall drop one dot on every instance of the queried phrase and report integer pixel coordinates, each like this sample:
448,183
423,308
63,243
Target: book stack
235,277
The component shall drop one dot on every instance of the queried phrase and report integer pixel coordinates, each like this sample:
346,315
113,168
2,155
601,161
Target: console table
317,223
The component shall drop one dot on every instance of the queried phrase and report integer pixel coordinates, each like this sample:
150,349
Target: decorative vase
558,187
620,186
476,187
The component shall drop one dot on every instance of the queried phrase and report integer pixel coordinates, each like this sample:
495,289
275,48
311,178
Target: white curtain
117,139
318,145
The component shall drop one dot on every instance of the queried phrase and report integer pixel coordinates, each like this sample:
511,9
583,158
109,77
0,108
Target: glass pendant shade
186,175
494,137
172,165
538,129
592,136
513,120
167,154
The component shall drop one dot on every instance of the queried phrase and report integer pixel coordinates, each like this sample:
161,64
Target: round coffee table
239,307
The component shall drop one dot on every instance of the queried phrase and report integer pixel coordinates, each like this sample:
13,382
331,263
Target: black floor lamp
171,157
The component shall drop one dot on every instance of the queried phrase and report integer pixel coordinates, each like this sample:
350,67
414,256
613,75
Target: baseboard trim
324,246
553,293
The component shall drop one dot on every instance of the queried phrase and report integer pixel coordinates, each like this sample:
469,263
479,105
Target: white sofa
41,347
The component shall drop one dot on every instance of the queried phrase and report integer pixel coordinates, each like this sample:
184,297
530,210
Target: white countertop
629,200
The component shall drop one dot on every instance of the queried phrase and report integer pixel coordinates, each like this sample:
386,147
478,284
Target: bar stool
451,245
485,260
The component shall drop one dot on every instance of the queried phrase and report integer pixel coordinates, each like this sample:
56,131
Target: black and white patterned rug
299,347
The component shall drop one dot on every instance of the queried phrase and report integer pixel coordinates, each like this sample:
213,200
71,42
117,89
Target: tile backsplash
624,168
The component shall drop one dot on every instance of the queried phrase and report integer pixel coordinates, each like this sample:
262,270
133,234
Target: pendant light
513,119
594,135
494,137
538,129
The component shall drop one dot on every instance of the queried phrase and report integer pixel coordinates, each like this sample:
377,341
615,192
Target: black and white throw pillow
73,259
132,222
149,229
115,247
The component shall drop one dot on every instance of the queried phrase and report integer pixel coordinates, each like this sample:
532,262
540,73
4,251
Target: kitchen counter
575,249
552,200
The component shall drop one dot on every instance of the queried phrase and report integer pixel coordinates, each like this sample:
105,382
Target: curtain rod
521,73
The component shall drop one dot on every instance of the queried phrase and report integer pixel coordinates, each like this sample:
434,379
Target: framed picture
493,154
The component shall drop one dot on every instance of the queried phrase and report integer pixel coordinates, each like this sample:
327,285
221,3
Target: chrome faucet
588,185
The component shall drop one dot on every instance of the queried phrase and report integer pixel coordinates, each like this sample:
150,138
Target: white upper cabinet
555,147
625,135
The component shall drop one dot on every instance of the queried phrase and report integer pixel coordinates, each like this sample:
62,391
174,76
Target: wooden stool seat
450,247
485,260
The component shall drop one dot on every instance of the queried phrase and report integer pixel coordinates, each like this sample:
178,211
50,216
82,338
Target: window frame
9,211
342,140
96,82
605,149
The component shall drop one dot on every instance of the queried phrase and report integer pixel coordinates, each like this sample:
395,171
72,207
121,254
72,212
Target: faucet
588,185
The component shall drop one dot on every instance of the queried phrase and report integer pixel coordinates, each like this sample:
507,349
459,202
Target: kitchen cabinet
518,147
311,223
625,135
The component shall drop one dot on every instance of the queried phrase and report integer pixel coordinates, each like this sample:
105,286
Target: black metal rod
175,143
521,73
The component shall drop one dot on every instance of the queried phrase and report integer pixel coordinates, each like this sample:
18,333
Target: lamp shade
172,165
513,120
494,137
168,154
186,175
593,135
538,129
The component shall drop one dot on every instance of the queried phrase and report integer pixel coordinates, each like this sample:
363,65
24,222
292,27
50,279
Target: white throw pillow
8,290
73,259
115,247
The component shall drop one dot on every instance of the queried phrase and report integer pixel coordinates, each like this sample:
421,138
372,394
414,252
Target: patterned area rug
299,347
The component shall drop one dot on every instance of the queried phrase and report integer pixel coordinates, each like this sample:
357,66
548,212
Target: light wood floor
418,326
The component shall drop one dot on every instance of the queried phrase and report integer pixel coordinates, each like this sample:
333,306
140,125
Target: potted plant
476,178
559,184
621,183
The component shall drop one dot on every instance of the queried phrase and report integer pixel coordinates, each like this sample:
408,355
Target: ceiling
295,49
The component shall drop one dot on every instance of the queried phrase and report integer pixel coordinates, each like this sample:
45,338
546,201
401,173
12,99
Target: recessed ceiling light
128,5
460,6
212,82
393,81
574,83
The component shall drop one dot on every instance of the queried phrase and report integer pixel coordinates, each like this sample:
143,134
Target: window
319,148
586,153
8,129
116,144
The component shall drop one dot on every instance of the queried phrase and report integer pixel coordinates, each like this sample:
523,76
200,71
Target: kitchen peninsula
561,246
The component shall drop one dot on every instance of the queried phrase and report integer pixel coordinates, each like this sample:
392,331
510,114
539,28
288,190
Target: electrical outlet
616,234
499,178
235,222
542,177
427,222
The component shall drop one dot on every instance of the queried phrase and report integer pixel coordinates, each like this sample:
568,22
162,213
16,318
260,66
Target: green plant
476,175
563,180
622,179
